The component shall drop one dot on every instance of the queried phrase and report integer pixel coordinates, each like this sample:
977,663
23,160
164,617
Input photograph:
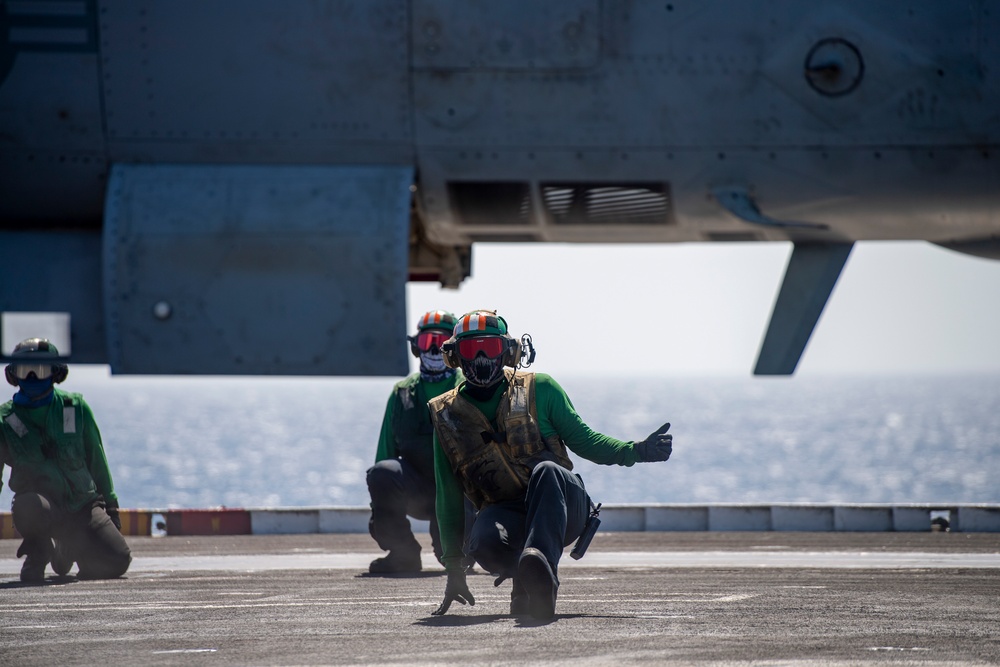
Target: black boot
535,574
518,599
37,554
62,561
398,560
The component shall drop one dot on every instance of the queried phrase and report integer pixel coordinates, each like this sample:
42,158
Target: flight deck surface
672,598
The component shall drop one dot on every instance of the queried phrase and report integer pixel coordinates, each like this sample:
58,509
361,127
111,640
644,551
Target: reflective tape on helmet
436,319
480,322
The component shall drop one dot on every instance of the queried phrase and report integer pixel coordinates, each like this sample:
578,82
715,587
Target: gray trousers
89,536
551,517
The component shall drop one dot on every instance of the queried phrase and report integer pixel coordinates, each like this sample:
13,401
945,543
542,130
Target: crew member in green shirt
59,473
501,439
401,482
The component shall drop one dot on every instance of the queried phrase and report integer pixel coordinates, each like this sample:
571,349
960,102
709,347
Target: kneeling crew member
401,483
59,474
501,439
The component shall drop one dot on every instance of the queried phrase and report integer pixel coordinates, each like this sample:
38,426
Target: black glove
111,507
656,447
456,589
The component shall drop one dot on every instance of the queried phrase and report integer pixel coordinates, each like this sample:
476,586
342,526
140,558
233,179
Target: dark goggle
491,346
41,371
429,339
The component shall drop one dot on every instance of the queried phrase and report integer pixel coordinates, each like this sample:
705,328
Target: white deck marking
901,560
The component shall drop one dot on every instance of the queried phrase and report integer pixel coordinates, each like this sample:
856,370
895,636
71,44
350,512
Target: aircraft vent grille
491,203
605,204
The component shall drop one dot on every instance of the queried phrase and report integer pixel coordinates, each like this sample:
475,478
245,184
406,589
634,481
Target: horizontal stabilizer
812,272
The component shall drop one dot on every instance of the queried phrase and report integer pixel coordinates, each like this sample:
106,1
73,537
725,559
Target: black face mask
483,371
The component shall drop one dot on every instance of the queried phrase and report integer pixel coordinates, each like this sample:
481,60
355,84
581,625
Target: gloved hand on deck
455,590
657,447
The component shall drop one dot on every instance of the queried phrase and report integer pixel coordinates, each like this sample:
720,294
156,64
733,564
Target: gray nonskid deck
653,598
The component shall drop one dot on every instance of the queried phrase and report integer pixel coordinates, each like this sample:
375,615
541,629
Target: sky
702,309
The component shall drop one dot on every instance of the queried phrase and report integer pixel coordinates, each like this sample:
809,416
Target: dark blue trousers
550,517
397,490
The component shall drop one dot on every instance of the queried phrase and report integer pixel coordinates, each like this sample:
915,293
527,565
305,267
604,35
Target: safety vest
50,461
495,464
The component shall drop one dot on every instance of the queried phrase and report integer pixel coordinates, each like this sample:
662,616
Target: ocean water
306,442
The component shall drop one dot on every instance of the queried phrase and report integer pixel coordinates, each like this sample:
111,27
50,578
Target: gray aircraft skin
245,186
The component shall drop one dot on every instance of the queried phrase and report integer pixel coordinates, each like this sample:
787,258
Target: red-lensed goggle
428,339
491,346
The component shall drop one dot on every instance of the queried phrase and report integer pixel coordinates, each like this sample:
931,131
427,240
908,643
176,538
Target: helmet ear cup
449,351
8,372
512,355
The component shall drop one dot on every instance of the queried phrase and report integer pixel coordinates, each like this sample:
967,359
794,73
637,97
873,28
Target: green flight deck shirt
55,450
406,427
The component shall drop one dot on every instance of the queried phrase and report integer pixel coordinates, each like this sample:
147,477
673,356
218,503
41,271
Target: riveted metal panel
727,75
256,270
516,34
229,75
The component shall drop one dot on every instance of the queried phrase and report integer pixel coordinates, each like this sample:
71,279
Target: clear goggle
428,339
41,371
491,346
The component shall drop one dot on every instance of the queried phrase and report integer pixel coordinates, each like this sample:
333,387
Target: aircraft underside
248,169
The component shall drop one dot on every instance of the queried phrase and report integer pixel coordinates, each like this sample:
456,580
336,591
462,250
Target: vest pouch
523,440
525,443
487,477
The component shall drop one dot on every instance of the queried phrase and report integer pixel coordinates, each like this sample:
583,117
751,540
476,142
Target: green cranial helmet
436,319
480,323
481,347
433,328
35,352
